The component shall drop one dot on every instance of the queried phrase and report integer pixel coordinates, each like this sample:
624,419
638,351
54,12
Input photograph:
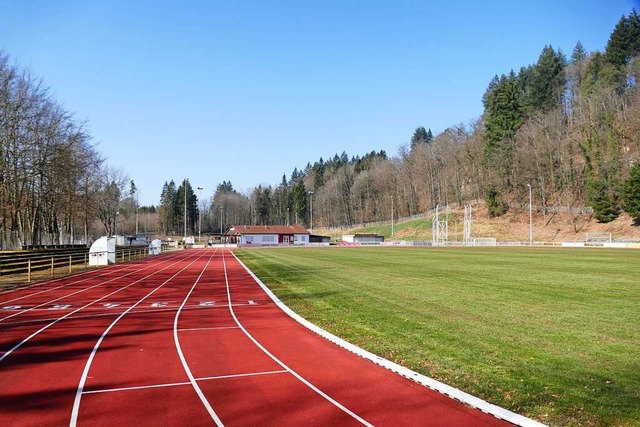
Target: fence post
29,270
51,266
69,263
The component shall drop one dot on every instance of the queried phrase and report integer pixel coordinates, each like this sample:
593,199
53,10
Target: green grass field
553,334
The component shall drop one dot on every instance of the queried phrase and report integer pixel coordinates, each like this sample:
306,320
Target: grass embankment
553,334
415,229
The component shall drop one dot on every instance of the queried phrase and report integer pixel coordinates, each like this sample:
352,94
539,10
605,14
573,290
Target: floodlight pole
200,215
185,209
530,218
392,216
311,195
137,211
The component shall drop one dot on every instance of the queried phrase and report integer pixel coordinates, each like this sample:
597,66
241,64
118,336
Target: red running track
189,338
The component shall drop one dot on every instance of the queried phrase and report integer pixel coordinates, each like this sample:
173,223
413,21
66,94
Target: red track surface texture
191,339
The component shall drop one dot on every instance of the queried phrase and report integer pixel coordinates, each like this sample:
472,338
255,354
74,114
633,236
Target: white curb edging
438,386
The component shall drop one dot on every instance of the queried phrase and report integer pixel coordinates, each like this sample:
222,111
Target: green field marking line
431,383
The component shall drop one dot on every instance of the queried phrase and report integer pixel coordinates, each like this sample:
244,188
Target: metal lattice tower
466,226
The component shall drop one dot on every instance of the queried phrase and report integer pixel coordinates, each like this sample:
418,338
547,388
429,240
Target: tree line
55,187
568,127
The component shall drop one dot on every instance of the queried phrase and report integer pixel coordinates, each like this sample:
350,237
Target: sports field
553,334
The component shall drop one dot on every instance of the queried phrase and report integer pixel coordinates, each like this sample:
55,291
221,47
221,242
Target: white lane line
218,377
89,274
218,328
104,314
85,373
176,340
74,293
24,341
252,374
140,387
281,363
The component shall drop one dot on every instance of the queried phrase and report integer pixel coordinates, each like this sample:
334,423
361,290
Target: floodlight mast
311,220
392,216
530,218
200,215
185,209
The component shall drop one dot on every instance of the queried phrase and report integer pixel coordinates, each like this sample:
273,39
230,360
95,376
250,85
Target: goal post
485,241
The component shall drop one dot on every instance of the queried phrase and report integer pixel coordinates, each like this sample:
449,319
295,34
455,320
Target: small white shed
103,251
155,247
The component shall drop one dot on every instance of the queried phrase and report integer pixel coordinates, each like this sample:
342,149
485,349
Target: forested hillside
568,126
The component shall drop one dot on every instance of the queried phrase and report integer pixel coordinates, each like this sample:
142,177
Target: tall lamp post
115,227
530,218
392,216
185,209
200,215
311,195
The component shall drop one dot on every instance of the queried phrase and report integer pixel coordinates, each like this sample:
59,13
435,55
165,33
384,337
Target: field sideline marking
217,377
281,363
428,382
185,365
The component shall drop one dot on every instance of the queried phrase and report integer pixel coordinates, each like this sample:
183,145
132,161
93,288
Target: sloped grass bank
553,334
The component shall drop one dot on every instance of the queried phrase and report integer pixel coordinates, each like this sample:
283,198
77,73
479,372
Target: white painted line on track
140,387
90,275
428,382
218,377
176,340
24,341
83,379
252,374
208,329
74,293
281,363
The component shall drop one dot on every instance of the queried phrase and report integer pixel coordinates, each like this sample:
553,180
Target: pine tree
420,136
547,82
603,200
632,192
579,54
504,115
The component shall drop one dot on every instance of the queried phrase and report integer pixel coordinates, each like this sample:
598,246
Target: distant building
268,235
318,240
363,239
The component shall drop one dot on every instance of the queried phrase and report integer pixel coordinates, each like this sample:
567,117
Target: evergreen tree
632,192
603,200
579,54
624,42
421,136
504,115
546,82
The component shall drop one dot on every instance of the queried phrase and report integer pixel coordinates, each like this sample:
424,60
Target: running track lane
244,362
41,367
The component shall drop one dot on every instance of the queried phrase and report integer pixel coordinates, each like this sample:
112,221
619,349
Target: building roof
268,229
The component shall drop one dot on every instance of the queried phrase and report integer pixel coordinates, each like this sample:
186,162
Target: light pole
115,227
221,229
311,195
391,216
530,218
137,211
200,215
185,209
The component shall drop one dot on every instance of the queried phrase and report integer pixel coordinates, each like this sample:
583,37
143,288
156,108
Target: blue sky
247,90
